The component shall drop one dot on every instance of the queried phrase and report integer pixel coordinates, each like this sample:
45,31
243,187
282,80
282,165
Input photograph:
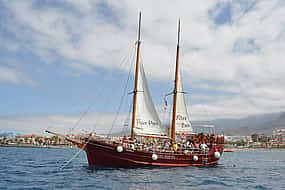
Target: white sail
147,120
183,124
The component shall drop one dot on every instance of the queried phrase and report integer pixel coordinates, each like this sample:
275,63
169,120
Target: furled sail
147,120
183,124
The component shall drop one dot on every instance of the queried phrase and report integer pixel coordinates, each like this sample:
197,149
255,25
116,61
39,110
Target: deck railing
158,147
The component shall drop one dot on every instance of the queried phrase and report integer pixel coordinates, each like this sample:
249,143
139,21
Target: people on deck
189,143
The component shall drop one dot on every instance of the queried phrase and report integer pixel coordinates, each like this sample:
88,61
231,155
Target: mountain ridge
260,124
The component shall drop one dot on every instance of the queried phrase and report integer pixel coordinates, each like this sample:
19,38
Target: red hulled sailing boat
149,144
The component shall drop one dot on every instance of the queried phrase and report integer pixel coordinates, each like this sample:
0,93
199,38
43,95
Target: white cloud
242,55
14,76
65,124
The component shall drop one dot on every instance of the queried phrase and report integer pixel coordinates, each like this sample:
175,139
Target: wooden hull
106,155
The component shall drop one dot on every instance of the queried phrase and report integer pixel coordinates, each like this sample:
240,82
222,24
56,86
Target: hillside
264,123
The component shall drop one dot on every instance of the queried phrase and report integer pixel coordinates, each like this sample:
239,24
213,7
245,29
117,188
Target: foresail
147,120
183,124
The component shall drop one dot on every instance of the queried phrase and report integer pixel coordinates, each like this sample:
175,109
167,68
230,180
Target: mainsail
183,124
147,120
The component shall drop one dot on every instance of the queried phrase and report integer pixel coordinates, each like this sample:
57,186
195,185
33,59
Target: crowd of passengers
192,143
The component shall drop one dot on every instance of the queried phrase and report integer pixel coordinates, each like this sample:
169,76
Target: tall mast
173,125
136,80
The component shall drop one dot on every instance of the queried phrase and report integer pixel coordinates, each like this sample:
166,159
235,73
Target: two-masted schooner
149,143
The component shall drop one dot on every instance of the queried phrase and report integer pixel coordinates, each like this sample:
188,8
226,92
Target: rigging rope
127,121
81,117
72,158
84,114
122,98
125,60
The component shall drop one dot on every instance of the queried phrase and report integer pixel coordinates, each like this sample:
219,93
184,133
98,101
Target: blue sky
58,59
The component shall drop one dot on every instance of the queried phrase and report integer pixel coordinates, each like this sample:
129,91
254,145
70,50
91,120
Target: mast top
139,31
178,38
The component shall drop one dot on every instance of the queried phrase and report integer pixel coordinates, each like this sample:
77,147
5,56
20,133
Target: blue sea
41,168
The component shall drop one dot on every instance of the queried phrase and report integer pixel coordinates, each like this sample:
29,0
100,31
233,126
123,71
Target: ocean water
40,168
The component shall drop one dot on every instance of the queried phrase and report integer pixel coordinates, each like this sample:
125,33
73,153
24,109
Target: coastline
70,146
36,146
251,149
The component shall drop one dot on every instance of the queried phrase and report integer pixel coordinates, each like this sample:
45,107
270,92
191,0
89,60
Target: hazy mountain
263,123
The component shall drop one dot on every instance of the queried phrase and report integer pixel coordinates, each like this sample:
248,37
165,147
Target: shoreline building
278,135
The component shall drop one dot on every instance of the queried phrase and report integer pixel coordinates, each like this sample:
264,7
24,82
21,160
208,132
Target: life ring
217,155
120,149
154,156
